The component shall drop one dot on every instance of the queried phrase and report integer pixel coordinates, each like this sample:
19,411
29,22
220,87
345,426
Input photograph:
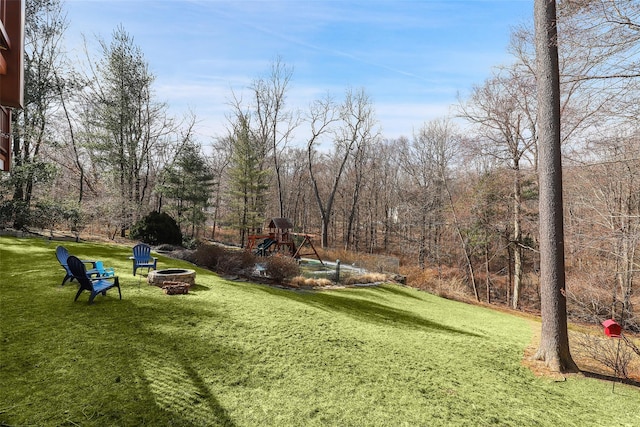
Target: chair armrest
108,273
98,278
92,272
88,261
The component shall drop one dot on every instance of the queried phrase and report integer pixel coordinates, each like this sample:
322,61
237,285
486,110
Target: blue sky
411,57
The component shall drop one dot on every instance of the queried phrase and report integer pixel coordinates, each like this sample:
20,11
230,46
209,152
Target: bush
207,256
14,213
306,282
447,283
46,214
166,247
190,242
220,259
282,267
605,351
236,261
157,228
366,278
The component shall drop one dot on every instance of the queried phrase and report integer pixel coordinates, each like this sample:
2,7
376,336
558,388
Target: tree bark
554,341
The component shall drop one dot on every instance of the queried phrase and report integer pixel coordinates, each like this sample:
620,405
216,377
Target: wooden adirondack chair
142,258
63,255
95,285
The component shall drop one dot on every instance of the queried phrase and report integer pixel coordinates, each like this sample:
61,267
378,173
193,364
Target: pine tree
188,183
247,180
126,123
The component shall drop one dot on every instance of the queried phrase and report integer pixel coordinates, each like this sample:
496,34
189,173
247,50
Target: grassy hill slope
239,354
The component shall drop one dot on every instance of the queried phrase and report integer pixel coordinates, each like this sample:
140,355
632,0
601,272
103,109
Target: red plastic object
611,328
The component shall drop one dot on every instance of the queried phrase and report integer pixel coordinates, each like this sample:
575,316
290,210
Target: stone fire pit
158,277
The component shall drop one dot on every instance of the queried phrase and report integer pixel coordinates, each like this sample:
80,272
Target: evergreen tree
248,182
189,182
126,123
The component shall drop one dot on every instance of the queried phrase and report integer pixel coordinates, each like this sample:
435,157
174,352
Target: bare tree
605,214
348,125
299,199
502,111
71,155
323,114
598,64
219,161
610,30
386,189
274,124
554,341
44,30
365,139
425,161
599,87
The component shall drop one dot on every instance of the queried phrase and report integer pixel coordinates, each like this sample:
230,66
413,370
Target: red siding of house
11,71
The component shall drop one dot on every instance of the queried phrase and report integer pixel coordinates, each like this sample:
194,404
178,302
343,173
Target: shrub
236,261
298,282
46,214
366,278
605,351
157,228
220,259
302,282
322,282
447,283
14,213
167,247
190,242
207,256
281,267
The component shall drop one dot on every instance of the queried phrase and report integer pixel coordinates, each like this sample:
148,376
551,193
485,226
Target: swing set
280,239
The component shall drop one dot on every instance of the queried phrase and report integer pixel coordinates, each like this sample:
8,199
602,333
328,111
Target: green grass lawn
239,354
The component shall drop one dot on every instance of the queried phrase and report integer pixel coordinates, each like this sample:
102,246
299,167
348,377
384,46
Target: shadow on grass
217,410
198,288
136,337
179,390
364,310
397,290
164,349
603,377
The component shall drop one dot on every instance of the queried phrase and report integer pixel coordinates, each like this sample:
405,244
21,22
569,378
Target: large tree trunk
554,341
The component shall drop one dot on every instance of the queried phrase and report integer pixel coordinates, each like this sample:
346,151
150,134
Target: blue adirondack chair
95,285
63,255
142,258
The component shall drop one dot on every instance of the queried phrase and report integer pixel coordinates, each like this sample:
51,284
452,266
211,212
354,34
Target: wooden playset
280,239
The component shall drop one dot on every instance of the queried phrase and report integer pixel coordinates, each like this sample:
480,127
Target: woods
95,149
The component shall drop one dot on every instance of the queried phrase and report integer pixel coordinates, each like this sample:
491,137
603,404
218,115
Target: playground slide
262,247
